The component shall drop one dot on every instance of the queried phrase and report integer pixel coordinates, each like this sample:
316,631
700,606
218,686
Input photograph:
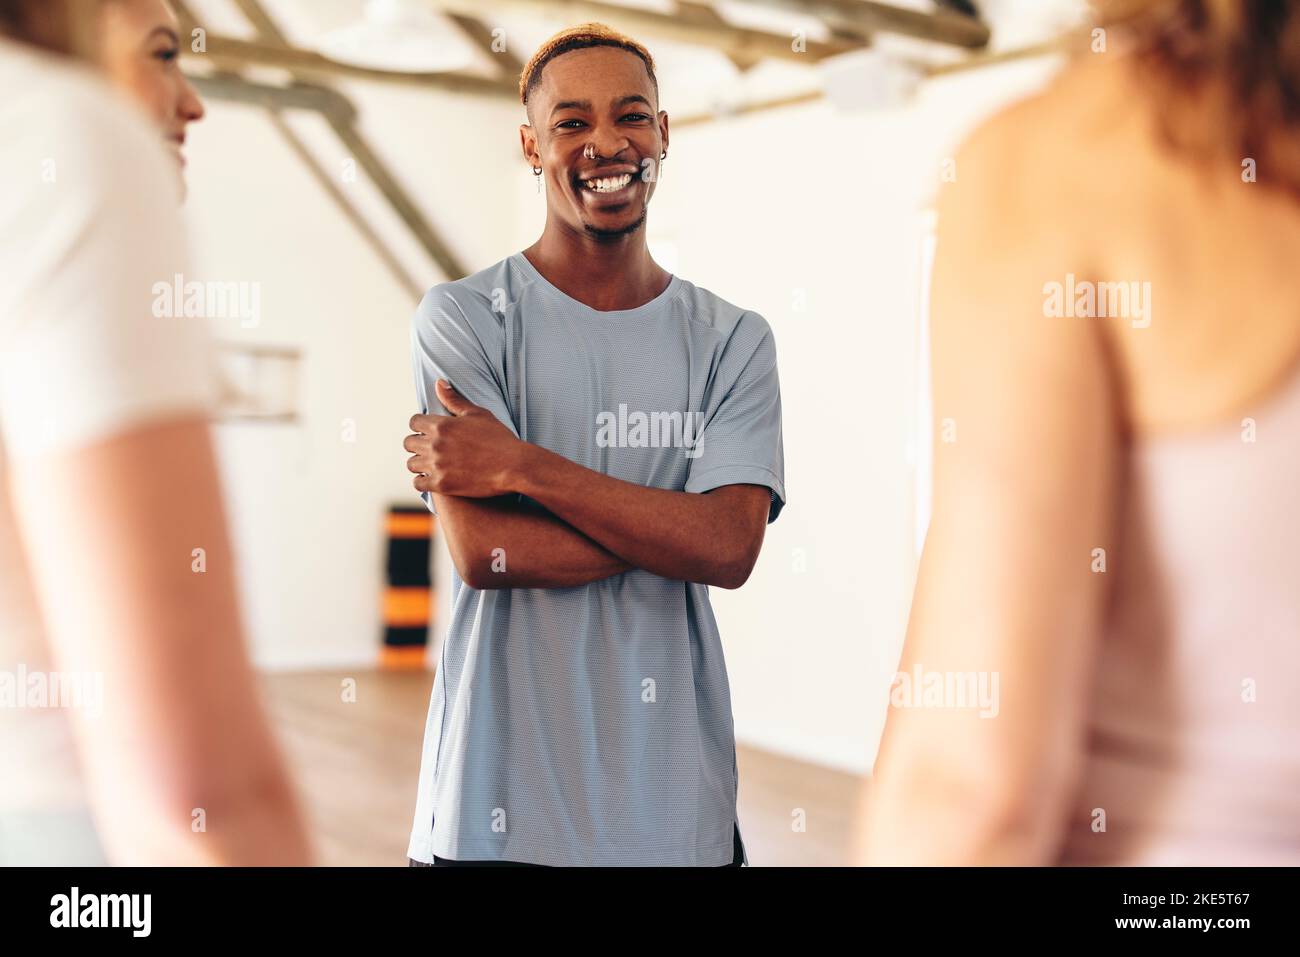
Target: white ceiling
692,78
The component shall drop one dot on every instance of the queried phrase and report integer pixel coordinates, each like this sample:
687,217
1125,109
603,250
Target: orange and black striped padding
408,598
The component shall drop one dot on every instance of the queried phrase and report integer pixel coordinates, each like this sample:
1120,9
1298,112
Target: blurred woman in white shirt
130,725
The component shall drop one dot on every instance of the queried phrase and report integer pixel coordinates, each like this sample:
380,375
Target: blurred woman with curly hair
1116,514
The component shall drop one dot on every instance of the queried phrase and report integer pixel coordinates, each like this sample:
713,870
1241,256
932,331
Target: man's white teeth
608,184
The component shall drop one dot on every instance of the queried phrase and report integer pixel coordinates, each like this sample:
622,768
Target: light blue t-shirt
592,725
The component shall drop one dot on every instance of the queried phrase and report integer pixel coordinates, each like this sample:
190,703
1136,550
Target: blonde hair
582,36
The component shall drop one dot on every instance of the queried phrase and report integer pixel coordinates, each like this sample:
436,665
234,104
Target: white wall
815,219
307,506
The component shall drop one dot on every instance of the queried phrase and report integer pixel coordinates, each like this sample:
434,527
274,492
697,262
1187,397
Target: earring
537,174
662,156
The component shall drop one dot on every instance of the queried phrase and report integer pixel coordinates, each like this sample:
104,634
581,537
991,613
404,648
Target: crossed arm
592,527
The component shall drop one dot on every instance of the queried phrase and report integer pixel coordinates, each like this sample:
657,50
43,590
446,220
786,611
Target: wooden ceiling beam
868,16
718,34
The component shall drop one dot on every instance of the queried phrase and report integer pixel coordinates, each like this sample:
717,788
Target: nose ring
589,151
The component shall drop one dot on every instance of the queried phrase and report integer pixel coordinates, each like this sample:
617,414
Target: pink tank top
1193,735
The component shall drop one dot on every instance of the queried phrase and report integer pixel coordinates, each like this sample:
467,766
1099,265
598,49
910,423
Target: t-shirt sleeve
457,337
740,441
83,353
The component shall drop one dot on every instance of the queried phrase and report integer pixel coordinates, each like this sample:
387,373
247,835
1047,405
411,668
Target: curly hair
1242,57
582,36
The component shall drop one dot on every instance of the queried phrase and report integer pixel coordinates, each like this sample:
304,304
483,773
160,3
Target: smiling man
604,445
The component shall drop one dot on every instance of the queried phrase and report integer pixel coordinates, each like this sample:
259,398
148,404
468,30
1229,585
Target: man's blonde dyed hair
581,37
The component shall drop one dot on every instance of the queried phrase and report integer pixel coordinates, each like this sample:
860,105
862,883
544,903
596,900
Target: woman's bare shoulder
1076,181
1060,133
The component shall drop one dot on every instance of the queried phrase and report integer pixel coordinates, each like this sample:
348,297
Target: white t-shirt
89,223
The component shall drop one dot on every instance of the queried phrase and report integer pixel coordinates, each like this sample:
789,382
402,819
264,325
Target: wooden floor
356,765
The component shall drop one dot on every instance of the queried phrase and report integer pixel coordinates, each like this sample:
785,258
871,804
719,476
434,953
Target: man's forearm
677,535
496,543
711,539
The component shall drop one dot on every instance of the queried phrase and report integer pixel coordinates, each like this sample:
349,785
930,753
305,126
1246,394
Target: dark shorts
737,858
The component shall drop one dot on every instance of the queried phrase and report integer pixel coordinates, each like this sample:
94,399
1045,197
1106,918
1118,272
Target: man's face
600,96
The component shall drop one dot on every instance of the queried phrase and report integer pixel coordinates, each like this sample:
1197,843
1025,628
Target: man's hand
712,539
468,453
